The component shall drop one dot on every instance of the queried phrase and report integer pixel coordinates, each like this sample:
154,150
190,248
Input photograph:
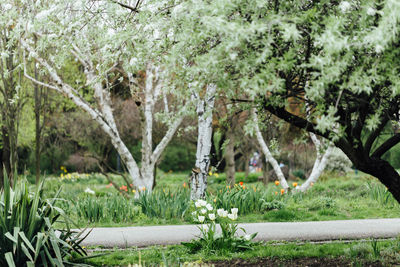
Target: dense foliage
27,233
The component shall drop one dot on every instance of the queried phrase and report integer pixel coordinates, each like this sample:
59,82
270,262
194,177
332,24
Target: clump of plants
213,241
164,203
113,208
246,199
27,234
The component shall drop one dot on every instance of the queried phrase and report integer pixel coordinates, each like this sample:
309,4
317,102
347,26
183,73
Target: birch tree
320,162
346,51
204,111
99,37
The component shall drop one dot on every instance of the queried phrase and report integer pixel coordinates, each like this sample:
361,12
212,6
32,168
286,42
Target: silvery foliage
338,161
238,44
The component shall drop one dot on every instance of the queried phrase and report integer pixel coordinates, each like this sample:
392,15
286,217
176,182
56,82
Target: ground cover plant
355,253
334,197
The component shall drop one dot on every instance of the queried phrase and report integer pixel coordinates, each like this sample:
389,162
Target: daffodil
211,216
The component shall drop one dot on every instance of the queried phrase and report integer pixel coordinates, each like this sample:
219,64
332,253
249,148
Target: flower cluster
205,211
210,239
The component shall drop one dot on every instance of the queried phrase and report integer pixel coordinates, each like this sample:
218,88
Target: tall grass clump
166,203
27,235
113,208
379,193
247,200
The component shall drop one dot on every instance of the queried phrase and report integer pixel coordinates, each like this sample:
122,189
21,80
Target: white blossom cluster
205,211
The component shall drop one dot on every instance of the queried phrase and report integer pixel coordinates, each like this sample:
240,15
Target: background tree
341,58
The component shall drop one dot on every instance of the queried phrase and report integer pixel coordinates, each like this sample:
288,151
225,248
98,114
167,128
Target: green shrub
321,203
272,205
27,235
299,173
164,203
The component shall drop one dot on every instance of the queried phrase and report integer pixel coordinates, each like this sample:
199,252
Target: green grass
368,251
333,197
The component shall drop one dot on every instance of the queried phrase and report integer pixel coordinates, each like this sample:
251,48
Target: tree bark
198,180
268,156
319,165
230,158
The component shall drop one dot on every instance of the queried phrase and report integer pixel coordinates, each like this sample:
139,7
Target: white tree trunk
141,178
198,180
319,164
268,156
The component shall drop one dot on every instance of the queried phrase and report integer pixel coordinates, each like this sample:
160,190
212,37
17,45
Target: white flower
211,216
371,11
200,203
203,211
345,6
197,204
209,207
232,216
220,212
89,191
201,218
247,237
194,214
225,214
234,210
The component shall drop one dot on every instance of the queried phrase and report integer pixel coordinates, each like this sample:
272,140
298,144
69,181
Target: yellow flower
276,182
133,191
210,173
215,200
276,193
216,175
282,191
294,184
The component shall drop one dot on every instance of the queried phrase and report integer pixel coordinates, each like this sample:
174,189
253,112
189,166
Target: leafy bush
321,203
27,235
272,205
338,162
299,173
165,204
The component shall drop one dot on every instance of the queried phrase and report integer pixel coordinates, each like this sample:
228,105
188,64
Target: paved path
288,231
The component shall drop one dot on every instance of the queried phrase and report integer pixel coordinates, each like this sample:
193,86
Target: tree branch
295,120
386,146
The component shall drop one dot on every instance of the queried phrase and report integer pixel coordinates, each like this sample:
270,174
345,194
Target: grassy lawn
333,197
357,253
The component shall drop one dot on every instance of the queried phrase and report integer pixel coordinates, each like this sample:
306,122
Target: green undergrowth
358,252
333,197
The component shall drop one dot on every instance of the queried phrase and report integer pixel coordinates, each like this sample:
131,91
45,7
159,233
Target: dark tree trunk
265,171
230,159
382,170
6,156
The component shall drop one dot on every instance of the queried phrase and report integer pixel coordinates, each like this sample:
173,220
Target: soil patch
310,262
